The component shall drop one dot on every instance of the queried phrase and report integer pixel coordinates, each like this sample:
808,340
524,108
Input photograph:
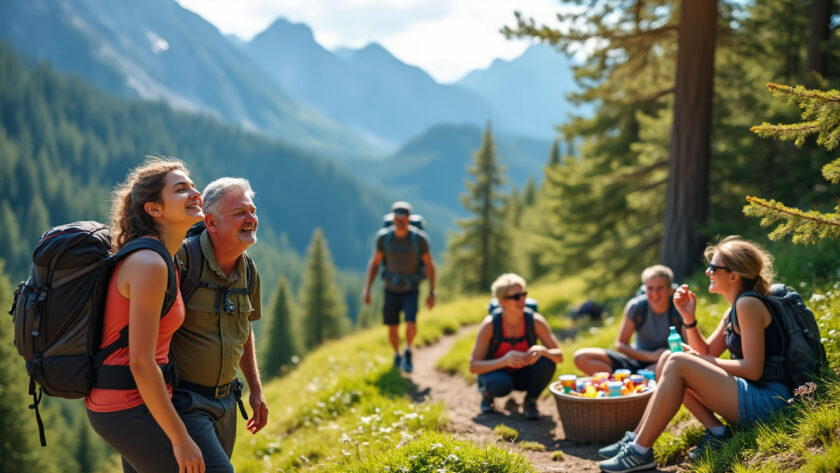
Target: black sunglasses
713,267
517,296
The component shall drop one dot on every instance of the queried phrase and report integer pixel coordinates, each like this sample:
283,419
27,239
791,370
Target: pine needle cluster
820,116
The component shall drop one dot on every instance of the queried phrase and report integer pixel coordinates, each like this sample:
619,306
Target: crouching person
506,356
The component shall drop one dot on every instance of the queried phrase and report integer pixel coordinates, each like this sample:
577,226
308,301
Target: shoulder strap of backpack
414,243
674,316
733,316
194,263
169,298
530,331
639,312
496,338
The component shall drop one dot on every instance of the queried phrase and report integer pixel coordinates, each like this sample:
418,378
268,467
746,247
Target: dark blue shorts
400,301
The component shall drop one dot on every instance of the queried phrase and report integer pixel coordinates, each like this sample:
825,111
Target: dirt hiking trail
467,423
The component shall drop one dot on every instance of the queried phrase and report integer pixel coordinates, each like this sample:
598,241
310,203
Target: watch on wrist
691,325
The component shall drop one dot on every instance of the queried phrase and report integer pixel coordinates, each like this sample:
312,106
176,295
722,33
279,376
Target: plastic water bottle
674,340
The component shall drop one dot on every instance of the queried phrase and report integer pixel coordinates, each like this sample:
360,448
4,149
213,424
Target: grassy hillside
344,409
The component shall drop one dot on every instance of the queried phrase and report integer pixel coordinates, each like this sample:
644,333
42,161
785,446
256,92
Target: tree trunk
688,185
818,33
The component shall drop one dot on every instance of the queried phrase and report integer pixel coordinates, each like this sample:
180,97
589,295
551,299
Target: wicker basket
600,419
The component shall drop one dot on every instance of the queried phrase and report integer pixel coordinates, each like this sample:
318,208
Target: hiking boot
628,460
529,409
406,364
397,361
709,442
612,450
487,405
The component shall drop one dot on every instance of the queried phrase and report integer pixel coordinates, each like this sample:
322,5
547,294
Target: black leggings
135,435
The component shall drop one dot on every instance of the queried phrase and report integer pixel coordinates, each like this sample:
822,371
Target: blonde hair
129,219
658,271
504,282
746,259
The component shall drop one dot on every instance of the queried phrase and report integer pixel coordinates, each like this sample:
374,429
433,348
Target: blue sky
447,38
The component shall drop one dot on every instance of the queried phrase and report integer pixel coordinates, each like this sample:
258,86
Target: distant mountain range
388,122
371,91
157,50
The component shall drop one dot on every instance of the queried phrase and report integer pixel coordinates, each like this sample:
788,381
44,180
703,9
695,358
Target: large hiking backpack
803,354
416,223
496,340
191,276
58,312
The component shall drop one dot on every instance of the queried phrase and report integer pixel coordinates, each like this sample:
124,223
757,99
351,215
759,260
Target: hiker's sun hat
401,207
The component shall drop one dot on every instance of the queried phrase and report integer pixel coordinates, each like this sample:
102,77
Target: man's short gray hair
213,193
658,271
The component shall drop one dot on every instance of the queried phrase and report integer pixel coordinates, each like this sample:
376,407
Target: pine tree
280,336
820,116
690,151
554,154
324,315
603,208
480,252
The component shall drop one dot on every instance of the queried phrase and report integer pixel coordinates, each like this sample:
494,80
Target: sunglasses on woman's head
713,267
517,296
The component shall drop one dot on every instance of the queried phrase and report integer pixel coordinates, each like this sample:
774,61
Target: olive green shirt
208,346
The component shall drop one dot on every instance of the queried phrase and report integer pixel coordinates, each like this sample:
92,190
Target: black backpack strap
733,316
530,331
120,377
674,315
195,262
36,400
496,338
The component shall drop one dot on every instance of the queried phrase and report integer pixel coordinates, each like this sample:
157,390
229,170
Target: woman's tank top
772,339
511,343
116,317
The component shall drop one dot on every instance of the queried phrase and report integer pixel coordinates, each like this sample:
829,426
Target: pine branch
804,227
831,171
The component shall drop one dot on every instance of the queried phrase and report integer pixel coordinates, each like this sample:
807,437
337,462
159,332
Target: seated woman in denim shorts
735,389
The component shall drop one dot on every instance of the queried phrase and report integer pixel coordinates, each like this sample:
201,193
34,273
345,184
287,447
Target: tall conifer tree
323,312
479,253
280,337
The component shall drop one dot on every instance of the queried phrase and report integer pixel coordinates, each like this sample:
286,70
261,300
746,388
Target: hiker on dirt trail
157,201
222,301
649,316
736,389
405,252
510,359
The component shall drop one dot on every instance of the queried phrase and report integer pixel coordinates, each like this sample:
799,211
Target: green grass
529,445
506,433
558,455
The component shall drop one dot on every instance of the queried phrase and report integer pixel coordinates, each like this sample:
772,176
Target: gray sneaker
407,366
612,450
709,442
628,460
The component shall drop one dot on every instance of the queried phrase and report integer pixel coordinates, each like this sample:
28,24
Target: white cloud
447,38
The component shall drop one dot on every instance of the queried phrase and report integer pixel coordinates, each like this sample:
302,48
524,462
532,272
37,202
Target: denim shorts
759,402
